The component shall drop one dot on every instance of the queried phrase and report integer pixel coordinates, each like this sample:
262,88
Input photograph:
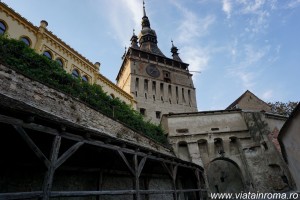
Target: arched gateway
224,175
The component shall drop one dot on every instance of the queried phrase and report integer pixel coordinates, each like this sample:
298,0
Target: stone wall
33,93
235,140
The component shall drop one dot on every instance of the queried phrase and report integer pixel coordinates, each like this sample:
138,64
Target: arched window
2,28
85,78
183,151
112,96
75,73
47,54
60,62
26,40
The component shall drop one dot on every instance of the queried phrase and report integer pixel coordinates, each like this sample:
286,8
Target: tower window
47,54
143,111
146,85
153,87
167,77
137,83
189,95
161,88
158,114
170,90
26,40
2,28
183,97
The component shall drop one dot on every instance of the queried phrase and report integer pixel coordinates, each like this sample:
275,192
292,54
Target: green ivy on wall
17,55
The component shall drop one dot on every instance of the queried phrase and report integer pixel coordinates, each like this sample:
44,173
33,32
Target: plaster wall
291,141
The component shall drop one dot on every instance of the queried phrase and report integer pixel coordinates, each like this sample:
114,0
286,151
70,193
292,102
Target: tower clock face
152,71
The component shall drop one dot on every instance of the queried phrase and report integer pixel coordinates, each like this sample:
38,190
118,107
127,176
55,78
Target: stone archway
224,175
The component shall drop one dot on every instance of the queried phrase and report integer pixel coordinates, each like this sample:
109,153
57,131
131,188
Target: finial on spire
144,8
133,31
174,51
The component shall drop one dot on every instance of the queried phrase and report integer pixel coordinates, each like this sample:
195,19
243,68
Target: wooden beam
74,137
48,180
141,166
38,194
42,128
172,171
136,182
68,153
32,145
126,162
167,169
198,176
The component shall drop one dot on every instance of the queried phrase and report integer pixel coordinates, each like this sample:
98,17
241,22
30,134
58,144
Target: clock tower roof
148,37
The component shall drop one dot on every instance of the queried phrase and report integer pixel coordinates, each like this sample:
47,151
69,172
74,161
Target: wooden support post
197,173
126,162
136,171
68,154
99,185
172,171
48,180
32,145
136,178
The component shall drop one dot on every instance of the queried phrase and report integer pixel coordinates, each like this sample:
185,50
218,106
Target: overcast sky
235,44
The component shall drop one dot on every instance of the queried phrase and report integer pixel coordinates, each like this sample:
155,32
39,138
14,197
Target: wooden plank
141,166
167,169
32,145
10,120
48,180
197,173
136,184
21,195
38,194
126,162
175,168
68,153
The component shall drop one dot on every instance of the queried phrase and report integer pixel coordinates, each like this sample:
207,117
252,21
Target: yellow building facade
46,43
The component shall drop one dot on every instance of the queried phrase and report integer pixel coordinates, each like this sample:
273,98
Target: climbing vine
17,55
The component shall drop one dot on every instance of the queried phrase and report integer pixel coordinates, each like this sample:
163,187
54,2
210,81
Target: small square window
143,111
158,114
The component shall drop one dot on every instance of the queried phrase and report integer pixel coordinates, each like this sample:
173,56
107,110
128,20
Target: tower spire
144,10
147,37
175,53
134,40
145,20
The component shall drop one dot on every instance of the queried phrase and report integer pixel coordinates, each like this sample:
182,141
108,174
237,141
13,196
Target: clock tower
159,84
